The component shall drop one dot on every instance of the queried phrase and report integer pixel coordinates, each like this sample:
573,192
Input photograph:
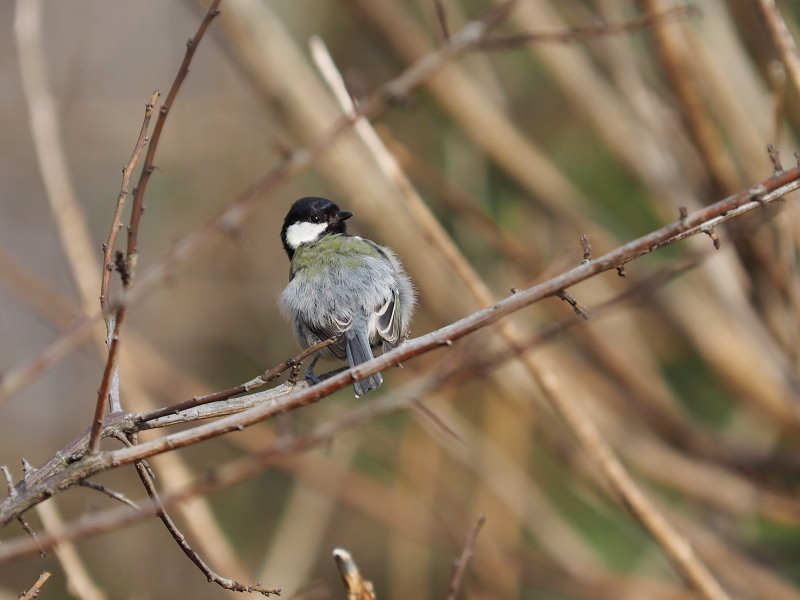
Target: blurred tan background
517,152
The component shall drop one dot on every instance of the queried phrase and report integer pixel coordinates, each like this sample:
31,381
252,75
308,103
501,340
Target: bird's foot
314,379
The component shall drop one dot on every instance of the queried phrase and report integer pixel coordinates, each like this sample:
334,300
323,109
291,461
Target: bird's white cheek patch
303,233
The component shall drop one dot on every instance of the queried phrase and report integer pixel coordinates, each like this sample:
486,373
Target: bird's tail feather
359,351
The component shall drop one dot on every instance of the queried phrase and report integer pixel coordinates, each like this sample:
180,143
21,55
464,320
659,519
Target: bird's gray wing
388,322
336,328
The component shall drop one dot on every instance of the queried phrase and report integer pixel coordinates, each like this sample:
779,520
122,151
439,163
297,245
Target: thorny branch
253,384
251,466
128,267
116,221
72,465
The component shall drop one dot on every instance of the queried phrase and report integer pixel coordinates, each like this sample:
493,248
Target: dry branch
180,539
36,587
127,266
460,564
72,465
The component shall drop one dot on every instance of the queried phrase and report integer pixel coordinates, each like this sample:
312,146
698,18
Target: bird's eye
316,219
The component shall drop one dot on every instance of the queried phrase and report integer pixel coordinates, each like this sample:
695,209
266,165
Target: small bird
342,287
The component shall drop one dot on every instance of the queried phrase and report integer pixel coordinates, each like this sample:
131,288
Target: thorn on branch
110,493
31,533
587,249
714,237
27,468
775,158
579,309
621,271
683,213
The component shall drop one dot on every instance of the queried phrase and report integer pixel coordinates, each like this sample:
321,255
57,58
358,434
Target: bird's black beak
343,215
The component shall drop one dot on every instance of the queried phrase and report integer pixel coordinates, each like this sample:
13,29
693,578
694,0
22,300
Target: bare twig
579,309
355,585
775,158
116,221
137,209
161,513
24,524
110,493
128,268
460,564
33,592
253,384
586,246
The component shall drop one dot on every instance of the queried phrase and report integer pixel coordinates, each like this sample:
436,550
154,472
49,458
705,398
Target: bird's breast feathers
338,274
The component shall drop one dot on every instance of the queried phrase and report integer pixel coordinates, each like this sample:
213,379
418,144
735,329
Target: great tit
342,287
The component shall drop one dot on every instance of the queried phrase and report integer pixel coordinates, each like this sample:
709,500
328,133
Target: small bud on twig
579,309
775,158
587,249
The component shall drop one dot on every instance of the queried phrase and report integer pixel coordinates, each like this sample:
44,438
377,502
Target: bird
342,287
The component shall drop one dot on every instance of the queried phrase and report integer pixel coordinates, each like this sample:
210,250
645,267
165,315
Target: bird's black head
309,219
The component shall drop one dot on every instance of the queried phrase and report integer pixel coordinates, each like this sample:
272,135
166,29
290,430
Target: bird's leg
310,376
330,374
314,379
